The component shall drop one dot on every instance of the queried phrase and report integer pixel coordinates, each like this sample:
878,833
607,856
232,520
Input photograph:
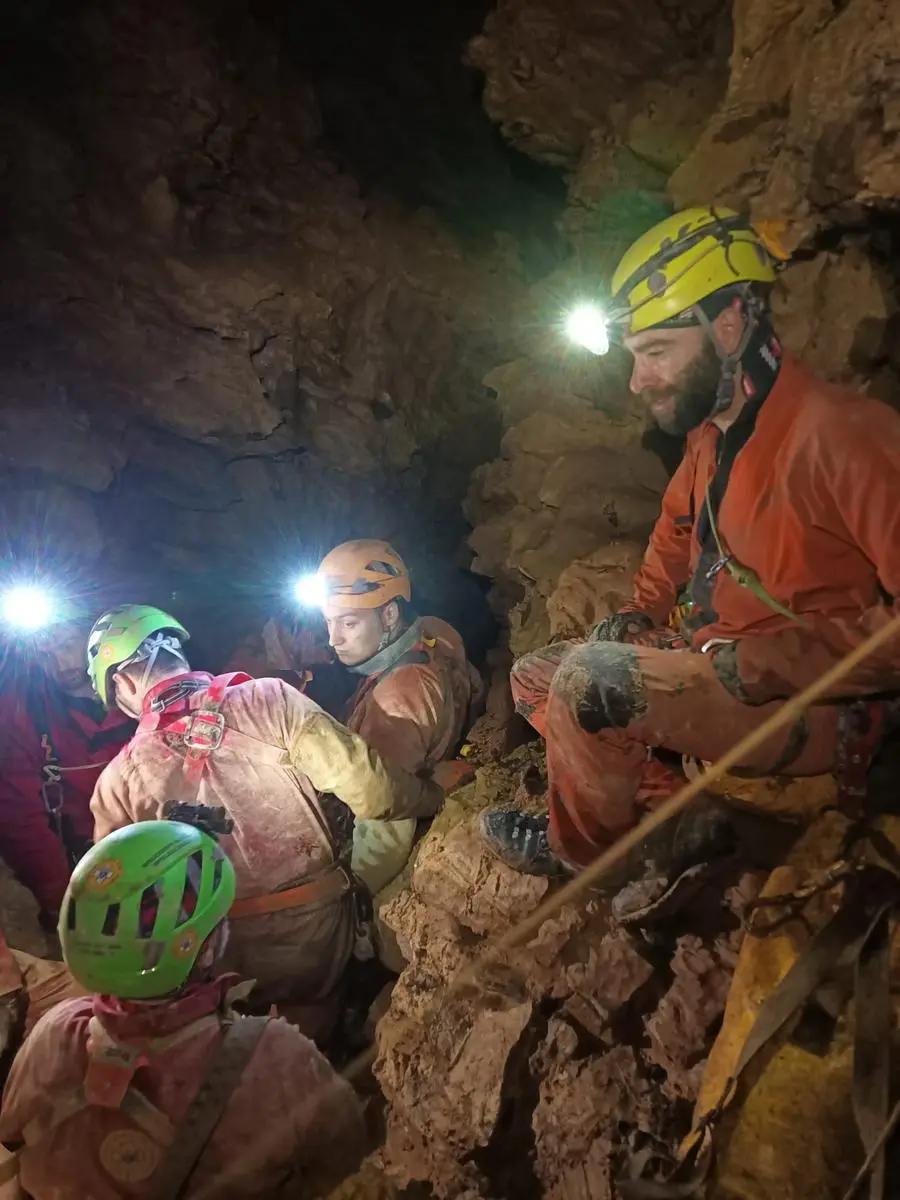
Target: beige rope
586,879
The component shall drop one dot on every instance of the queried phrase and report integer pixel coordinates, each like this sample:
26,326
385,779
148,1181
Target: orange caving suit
413,706
812,505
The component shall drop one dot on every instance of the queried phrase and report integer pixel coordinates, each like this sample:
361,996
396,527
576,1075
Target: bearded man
783,523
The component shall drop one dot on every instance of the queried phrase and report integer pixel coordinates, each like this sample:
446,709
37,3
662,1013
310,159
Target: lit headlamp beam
587,326
310,591
27,608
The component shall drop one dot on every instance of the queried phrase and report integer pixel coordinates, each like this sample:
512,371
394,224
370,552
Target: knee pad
602,685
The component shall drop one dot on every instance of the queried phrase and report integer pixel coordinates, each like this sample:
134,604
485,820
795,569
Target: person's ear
390,616
729,326
125,687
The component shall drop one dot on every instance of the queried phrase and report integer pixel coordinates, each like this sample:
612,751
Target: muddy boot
520,840
685,853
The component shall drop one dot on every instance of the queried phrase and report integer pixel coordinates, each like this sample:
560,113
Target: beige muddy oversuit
279,759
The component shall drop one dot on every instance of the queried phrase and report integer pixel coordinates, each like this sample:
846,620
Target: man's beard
691,401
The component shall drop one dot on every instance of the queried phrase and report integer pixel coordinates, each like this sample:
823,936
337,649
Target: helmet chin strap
730,362
148,654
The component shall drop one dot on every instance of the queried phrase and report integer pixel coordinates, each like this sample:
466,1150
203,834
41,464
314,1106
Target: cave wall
219,355
616,94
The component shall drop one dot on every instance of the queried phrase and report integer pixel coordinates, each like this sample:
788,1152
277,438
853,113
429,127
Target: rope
585,880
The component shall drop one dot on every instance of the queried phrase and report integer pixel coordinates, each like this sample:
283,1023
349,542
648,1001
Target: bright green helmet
139,907
117,638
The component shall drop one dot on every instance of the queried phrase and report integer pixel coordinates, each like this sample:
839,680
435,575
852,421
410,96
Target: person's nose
641,377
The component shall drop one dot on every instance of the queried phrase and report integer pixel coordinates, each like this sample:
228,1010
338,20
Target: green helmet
118,636
139,907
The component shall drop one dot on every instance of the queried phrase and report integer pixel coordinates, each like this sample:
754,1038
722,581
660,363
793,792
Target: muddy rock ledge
568,1056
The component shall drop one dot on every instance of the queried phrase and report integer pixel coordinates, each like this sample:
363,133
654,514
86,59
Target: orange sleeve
400,717
667,562
857,460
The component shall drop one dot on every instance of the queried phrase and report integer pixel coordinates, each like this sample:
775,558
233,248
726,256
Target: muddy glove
622,627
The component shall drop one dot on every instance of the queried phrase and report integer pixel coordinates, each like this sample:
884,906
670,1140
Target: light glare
310,591
27,608
587,326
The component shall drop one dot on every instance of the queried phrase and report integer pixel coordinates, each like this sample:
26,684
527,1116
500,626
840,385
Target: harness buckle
52,794
719,565
205,730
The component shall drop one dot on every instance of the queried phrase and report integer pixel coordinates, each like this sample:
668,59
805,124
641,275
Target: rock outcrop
562,517
543,1073
807,135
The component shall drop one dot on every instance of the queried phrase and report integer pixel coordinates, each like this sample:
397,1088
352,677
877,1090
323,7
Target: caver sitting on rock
151,1085
417,691
783,519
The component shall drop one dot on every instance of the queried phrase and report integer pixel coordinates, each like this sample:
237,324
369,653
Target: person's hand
632,627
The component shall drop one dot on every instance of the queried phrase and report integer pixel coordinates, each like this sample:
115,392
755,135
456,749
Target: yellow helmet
363,574
683,260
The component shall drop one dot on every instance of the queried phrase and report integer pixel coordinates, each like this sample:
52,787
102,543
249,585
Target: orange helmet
364,574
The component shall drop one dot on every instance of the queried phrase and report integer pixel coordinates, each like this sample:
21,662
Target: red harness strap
202,728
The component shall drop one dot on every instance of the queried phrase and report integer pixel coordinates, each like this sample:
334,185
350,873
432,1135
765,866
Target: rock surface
568,505
216,345
540,1075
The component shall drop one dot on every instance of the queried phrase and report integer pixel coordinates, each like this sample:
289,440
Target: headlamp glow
311,591
588,326
27,608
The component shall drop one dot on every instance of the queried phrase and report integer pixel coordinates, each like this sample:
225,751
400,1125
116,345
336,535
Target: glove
622,627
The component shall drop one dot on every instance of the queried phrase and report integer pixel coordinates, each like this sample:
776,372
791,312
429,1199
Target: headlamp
588,326
311,591
27,608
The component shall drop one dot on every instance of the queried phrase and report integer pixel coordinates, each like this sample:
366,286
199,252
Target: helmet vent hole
217,874
384,568
148,911
111,921
193,876
70,915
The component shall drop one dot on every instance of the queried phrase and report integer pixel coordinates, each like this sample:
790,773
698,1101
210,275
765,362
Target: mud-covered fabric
47,983
811,507
603,708
414,714
289,1118
279,752
621,627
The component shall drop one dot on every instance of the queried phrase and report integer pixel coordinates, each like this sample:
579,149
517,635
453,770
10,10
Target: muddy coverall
413,707
280,765
29,987
83,739
811,503
289,1117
